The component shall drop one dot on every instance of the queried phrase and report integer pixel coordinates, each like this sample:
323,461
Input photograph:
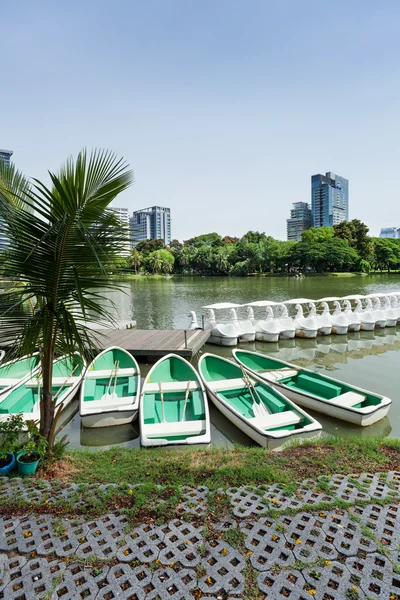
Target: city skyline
215,106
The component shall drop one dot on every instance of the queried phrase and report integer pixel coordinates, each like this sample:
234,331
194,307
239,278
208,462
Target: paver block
267,544
143,543
306,537
284,584
79,583
332,582
104,537
194,500
10,570
247,501
223,568
181,543
125,583
383,521
35,579
167,584
378,485
346,488
376,575
346,534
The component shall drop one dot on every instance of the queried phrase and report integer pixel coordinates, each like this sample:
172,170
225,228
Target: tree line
343,247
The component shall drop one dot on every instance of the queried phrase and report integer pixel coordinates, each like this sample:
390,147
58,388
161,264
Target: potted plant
34,449
10,432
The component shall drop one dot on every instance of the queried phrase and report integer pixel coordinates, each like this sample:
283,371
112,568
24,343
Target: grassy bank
240,466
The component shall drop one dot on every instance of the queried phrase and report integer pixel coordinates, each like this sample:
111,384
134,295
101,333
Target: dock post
185,334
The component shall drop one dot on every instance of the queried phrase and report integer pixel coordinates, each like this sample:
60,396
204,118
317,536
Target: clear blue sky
223,108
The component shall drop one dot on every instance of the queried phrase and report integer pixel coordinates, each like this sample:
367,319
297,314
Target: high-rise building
329,199
123,215
152,223
300,220
5,156
389,232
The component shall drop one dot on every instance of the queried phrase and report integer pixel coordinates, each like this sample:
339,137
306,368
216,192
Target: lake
367,359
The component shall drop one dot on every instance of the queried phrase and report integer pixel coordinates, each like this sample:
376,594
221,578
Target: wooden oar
162,402
259,406
114,395
111,378
186,399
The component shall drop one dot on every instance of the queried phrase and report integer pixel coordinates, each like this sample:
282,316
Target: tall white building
300,220
153,223
5,157
123,215
389,232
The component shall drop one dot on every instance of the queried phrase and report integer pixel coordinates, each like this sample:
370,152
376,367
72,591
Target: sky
223,108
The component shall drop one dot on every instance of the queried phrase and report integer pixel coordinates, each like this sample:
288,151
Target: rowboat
2,354
260,411
17,371
24,397
111,389
316,391
174,408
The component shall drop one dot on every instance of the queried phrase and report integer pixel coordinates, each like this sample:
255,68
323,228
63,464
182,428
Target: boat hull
367,326
222,341
381,324
264,336
262,440
354,327
355,417
109,419
391,322
287,334
324,331
246,337
340,329
306,333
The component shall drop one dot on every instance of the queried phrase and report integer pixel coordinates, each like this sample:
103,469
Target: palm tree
60,257
155,262
135,260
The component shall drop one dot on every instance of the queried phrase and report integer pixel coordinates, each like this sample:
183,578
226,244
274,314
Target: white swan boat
267,330
339,323
323,320
380,317
287,330
306,327
253,405
366,318
315,390
389,314
353,319
222,334
245,329
395,306
193,325
371,313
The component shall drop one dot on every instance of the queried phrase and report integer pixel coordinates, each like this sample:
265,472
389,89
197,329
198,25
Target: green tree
60,255
161,261
355,232
386,253
317,234
135,260
149,246
206,239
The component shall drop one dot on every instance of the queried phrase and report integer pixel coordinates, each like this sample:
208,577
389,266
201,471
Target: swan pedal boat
24,397
174,407
254,406
111,389
316,391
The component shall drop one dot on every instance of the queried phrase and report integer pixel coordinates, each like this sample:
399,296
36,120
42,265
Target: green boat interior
19,368
174,375
24,397
215,369
311,383
111,377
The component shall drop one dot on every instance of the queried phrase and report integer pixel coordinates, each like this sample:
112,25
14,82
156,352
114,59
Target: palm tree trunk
46,400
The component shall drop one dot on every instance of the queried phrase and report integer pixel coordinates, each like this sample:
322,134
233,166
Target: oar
162,402
114,395
106,393
64,383
186,399
259,407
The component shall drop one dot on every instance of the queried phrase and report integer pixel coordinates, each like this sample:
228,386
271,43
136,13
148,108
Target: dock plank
154,342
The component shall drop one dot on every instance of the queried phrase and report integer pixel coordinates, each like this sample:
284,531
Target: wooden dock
154,343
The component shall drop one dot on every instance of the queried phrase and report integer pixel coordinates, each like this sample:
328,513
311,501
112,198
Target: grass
232,467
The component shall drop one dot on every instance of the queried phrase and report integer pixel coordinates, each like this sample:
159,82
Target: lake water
367,359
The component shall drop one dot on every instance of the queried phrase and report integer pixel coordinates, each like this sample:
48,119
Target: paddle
186,399
162,402
114,395
107,395
258,406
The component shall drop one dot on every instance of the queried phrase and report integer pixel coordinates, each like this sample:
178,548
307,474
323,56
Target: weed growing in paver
235,537
56,581
202,550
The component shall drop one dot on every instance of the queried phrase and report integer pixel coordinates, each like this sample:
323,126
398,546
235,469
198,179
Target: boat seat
160,430
7,382
281,373
120,403
318,386
61,381
171,386
282,419
106,373
349,399
223,385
